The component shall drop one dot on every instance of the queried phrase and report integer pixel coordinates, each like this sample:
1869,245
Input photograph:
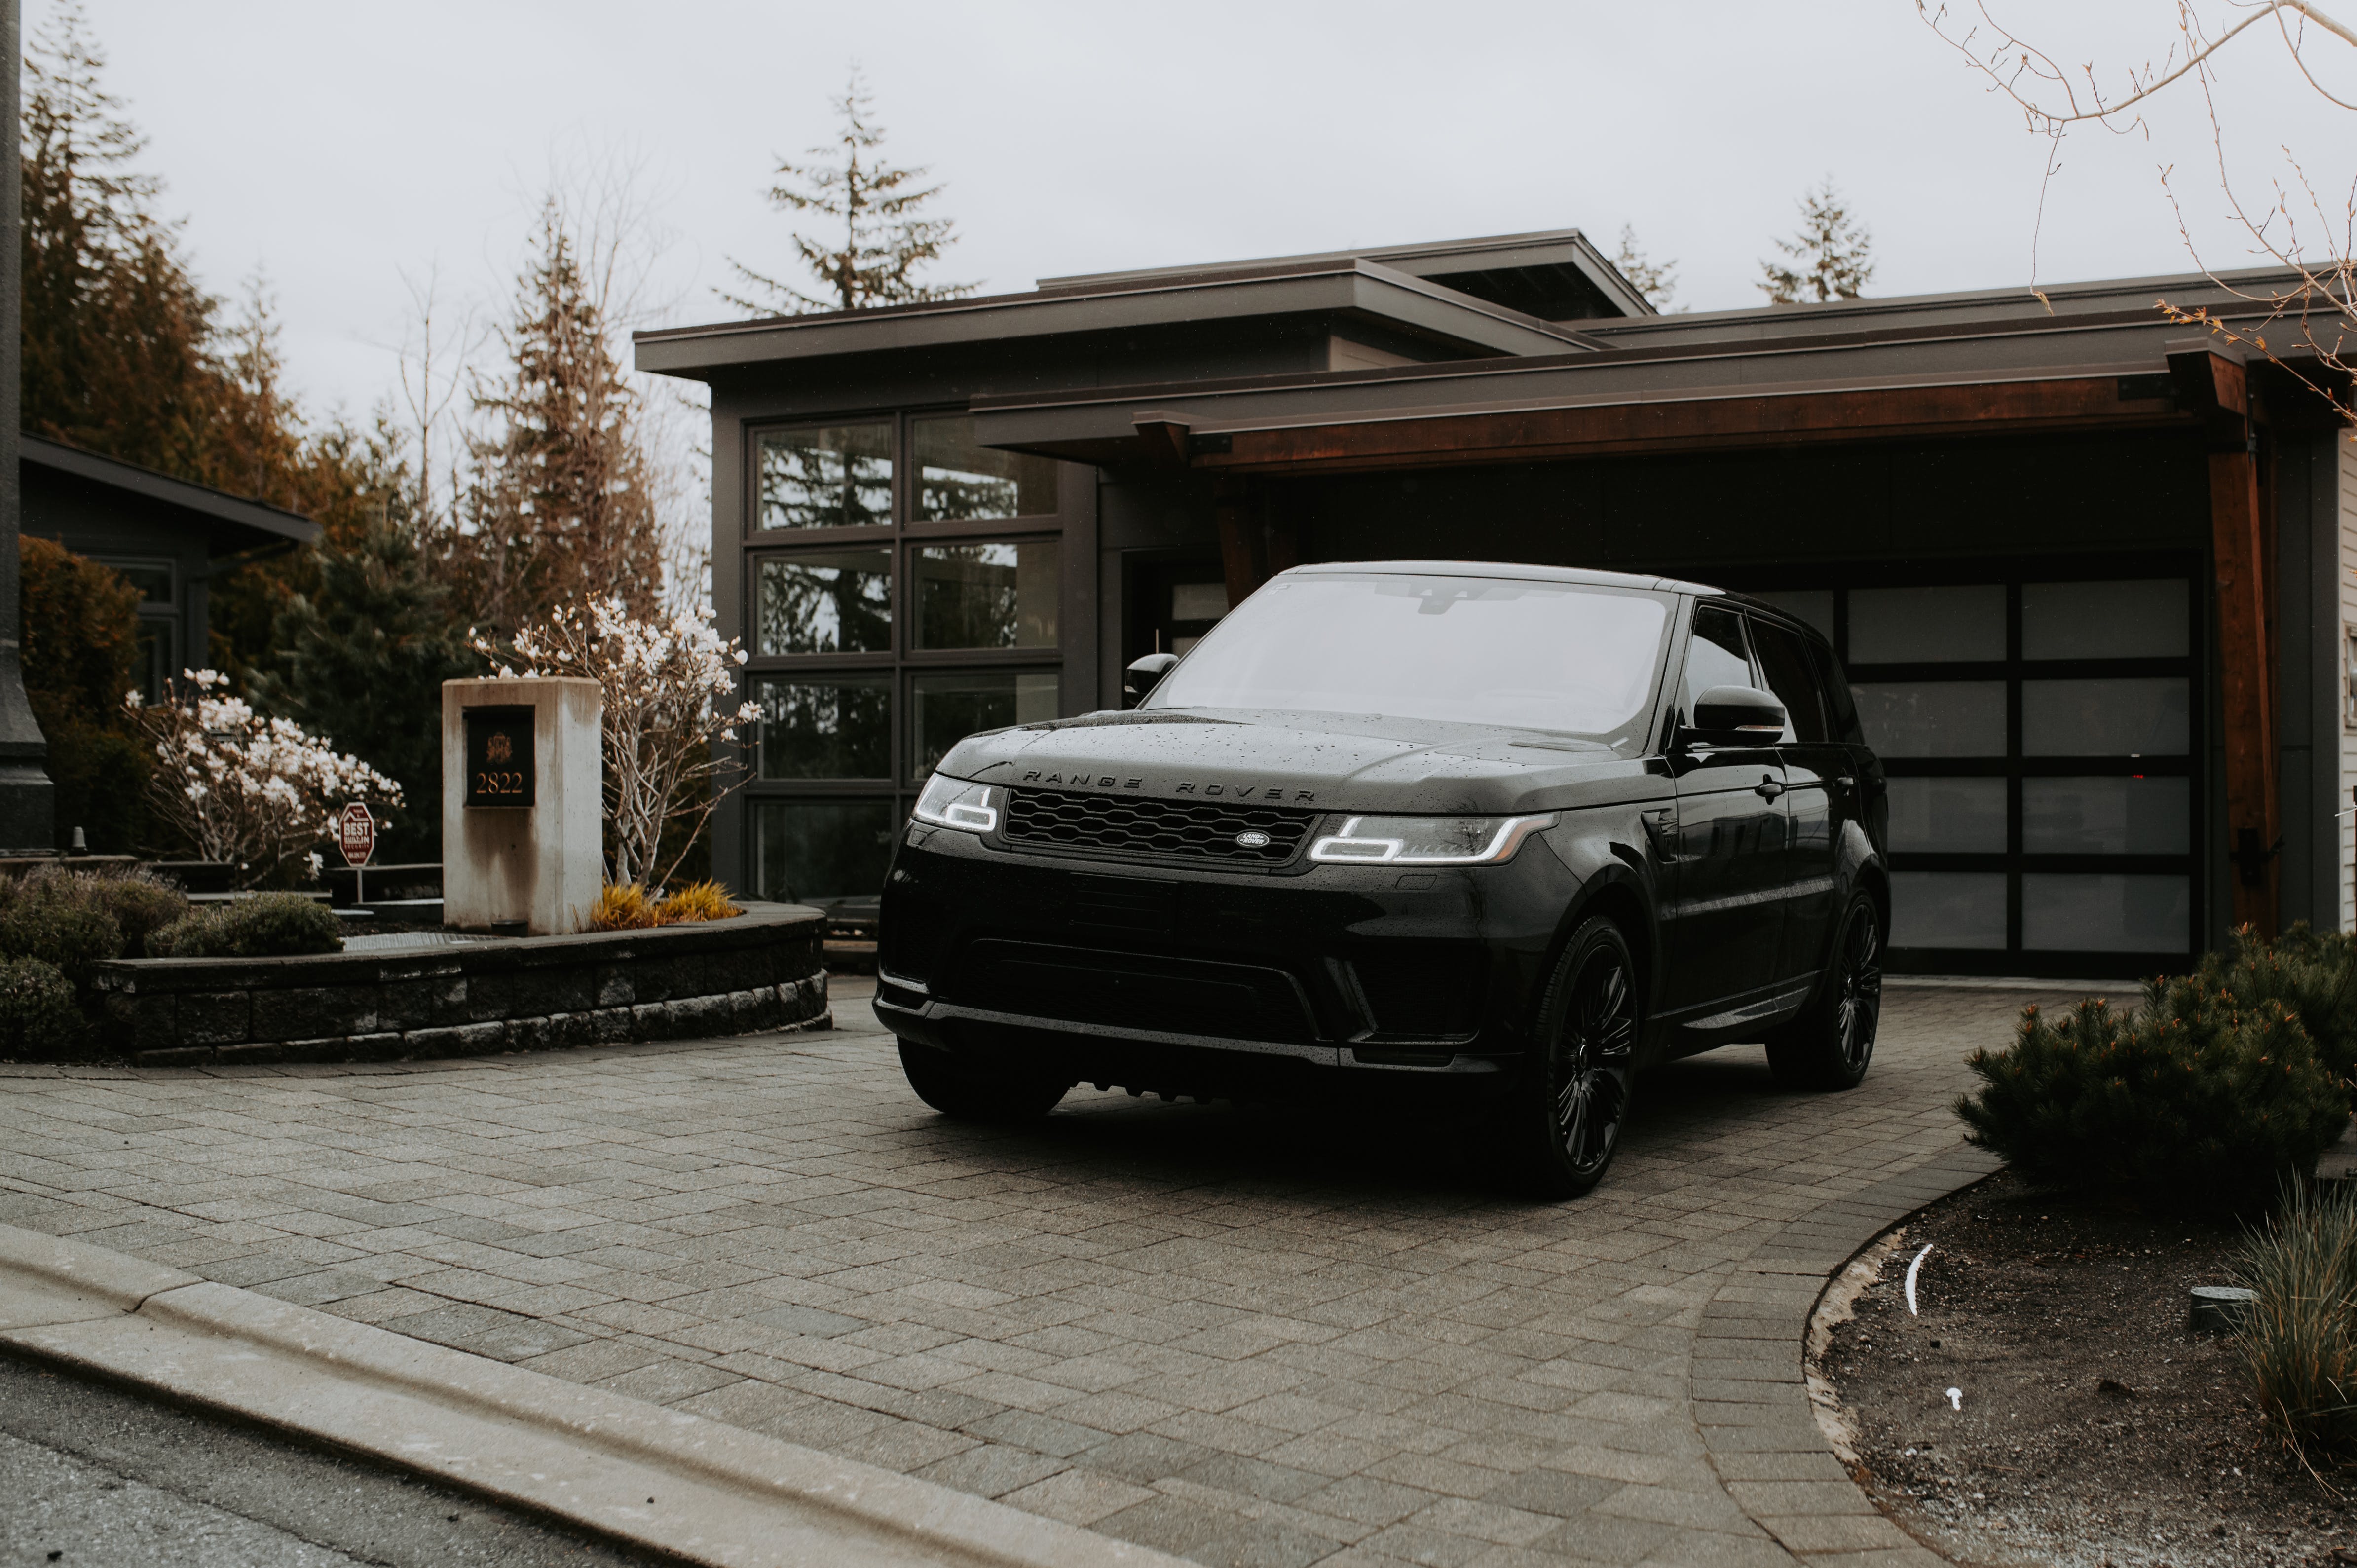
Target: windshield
1523,655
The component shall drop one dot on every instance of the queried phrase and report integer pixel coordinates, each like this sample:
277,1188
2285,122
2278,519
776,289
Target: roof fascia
203,499
1364,288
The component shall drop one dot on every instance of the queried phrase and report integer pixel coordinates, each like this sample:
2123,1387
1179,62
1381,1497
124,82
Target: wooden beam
1437,438
1167,440
2239,540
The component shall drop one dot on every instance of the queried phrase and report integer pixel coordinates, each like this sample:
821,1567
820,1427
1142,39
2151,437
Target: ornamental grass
628,907
2299,1342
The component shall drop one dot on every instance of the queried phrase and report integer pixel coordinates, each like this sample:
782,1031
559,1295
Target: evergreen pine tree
560,506
879,235
1832,250
1657,281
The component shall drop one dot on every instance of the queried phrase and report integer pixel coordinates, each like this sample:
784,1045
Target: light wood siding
2347,597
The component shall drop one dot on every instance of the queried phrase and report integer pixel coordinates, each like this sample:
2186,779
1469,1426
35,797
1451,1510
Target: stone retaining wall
760,971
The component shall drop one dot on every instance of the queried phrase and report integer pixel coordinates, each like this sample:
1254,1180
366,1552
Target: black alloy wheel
1575,1103
1831,1045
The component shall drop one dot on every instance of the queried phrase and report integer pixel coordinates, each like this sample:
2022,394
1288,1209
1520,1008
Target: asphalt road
92,1477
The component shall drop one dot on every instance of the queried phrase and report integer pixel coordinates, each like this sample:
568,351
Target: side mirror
1737,716
1147,672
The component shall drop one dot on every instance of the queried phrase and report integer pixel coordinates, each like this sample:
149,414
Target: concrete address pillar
523,804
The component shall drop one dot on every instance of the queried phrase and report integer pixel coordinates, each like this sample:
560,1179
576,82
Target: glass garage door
2039,736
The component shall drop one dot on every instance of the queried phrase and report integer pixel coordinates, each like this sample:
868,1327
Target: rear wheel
1564,1119
944,1082
1830,1046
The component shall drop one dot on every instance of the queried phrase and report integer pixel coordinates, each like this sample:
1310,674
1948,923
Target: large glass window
823,851
826,727
890,611
825,476
950,707
959,477
997,594
2136,716
1933,718
834,601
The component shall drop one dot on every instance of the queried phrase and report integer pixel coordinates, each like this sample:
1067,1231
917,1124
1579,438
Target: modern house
2089,572
167,535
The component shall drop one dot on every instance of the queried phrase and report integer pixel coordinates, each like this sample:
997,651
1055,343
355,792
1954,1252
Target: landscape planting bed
2095,1427
757,971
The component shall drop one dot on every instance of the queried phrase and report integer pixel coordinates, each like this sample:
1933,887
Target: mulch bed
2096,1428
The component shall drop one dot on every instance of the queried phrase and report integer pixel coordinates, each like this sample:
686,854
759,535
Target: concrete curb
696,1490
1748,1385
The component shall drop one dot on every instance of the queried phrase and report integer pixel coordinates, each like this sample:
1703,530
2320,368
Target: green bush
38,1016
2299,1343
2196,1101
141,905
53,916
268,924
2314,974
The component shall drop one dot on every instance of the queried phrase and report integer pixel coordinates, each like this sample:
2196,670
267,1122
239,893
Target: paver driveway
1246,1336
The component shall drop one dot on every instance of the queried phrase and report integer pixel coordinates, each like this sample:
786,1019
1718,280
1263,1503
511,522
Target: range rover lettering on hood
1263,792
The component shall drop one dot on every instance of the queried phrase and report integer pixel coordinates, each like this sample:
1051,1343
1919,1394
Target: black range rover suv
1510,832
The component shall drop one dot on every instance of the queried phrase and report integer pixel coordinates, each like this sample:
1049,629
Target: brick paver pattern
1266,1336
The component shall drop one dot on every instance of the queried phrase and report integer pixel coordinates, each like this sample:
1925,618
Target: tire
940,1082
1830,1046
1563,1119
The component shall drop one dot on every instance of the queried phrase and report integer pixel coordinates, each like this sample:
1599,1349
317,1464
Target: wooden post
2238,540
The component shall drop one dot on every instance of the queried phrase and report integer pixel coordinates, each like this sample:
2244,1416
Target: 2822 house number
499,757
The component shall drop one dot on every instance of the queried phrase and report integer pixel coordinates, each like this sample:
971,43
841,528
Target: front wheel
1564,1119
1830,1046
941,1083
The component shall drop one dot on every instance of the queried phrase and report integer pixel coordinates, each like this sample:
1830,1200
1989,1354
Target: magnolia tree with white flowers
253,791
669,684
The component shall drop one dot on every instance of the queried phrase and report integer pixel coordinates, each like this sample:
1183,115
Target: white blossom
665,684
246,789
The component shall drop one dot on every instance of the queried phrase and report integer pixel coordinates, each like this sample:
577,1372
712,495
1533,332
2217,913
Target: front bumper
1178,977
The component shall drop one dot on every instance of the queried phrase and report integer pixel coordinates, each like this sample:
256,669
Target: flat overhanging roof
234,522
1347,286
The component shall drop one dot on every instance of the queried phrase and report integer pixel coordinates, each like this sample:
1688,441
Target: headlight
949,802
1429,841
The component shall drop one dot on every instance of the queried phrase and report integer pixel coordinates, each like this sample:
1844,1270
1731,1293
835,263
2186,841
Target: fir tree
560,504
1832,253
1657,281
363,646
116,332
878,236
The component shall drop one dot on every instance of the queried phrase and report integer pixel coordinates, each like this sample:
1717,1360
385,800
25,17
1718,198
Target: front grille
1176,830
1085,985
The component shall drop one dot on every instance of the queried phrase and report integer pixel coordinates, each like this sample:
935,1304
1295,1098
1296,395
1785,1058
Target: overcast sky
338,146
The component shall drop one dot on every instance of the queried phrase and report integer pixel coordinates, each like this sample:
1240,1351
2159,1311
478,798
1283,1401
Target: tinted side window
1785,659
1716,657
1838,695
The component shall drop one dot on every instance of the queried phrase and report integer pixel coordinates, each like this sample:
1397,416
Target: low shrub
141,903
2299,1343
2312,972
2195,1100
705,900
623,906
38,1015
268,924
53,917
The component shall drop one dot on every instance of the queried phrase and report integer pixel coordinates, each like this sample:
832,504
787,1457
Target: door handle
1768,788
1845,782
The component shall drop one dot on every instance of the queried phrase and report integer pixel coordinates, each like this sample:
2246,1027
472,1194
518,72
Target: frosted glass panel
2144,619
2104,913
2137,716
2105,816
1814,606
1933,718
1947,909
1948,816
1901,625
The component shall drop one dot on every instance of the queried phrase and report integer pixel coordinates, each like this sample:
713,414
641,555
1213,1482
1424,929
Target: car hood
1354,762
